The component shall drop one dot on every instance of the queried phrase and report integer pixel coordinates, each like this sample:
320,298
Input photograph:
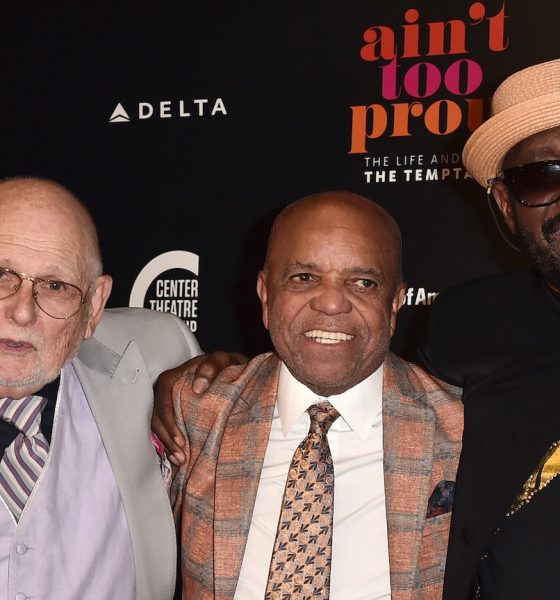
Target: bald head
43,204
331,288
52,290
346,206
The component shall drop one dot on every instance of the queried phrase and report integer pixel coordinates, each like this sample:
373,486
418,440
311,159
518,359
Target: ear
506,205
103,286
263,296
396,305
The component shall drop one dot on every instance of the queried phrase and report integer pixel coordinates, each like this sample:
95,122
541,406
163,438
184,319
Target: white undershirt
360,556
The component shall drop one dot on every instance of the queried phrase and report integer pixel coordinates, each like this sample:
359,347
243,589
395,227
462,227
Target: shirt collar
359,406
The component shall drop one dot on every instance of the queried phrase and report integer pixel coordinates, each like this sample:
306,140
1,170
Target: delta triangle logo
119,115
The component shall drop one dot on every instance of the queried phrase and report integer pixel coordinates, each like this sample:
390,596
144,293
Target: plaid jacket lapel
238,473
422,430
406,428
214,494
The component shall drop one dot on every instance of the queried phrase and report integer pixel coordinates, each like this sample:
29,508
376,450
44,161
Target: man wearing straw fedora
499,339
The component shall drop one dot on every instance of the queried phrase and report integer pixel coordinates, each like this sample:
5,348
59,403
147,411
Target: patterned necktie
301,559
25,457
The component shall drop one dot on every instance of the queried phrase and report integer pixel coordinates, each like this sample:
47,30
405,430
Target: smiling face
43,233
537,228
331,289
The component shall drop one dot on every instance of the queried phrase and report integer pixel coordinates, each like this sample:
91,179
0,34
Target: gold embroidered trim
546,471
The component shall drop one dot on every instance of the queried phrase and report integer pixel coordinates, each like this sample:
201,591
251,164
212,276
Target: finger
172,445
166,417
201,384
212,364
163,414
163,435
210,367
177,458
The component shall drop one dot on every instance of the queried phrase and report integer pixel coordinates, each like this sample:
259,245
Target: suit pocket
436,533
431,560
437,524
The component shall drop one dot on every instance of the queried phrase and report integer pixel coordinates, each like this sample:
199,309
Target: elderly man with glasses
84,512
499,339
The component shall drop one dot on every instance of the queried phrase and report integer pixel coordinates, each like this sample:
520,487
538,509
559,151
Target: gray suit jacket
117,368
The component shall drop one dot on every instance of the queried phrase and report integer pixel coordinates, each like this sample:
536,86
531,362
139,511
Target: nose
331,300
20,307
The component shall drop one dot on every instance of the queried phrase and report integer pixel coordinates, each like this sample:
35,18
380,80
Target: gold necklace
546,471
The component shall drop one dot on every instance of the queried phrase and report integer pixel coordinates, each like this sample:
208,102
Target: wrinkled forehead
333,235
32,236
362,218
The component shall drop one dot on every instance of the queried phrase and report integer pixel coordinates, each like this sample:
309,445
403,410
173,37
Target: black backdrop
269,89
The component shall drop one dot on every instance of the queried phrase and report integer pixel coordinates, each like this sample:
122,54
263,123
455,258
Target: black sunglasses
534,184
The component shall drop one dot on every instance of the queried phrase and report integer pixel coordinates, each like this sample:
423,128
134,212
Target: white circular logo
176,293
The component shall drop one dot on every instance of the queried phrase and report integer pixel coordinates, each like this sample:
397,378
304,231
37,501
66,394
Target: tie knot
322,415
22,413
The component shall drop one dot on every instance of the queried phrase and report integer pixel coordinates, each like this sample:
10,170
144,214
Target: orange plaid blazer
227,431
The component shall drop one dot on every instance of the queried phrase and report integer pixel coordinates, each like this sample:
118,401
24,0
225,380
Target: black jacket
499,339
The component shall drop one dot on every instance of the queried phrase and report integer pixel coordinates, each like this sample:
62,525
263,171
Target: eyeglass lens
536,184
56,298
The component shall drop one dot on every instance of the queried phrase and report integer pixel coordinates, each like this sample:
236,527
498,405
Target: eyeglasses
534,184
58,299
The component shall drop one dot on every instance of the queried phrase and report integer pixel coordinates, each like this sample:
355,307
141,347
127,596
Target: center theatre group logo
169,283
403,77
167,109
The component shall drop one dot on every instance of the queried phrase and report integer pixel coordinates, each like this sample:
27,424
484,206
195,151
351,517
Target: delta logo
416,64
169,109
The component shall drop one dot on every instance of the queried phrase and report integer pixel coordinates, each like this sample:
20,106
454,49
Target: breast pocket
433,551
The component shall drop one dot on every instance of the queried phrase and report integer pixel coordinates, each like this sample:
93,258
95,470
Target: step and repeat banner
185,127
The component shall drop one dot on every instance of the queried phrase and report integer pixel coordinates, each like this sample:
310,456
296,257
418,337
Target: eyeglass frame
24,277
503,175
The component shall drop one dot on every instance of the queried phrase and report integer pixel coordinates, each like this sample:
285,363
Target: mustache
550,226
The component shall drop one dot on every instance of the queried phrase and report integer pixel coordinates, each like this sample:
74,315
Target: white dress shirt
360,556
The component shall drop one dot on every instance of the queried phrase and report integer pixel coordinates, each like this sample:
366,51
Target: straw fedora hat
526,103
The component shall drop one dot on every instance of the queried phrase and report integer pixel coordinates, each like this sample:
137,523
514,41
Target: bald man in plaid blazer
310,295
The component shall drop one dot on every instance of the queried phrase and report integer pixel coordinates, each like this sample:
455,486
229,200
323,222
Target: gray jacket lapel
119,393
